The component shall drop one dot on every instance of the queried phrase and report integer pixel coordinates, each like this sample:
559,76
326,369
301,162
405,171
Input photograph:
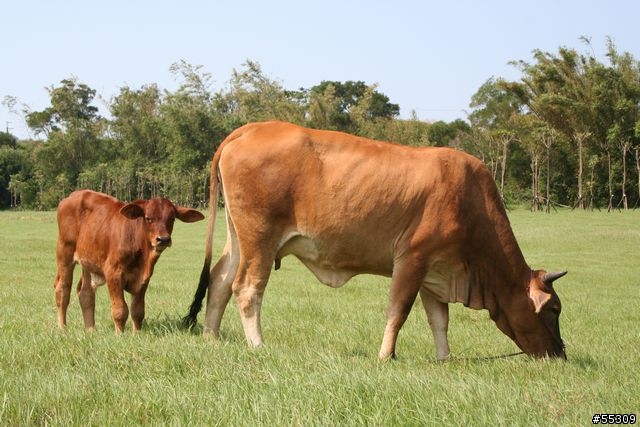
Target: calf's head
532,317
158,216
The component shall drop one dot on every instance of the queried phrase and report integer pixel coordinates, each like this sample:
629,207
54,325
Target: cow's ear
538,296
132,210
188,215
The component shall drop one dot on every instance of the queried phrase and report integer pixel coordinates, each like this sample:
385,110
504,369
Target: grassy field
320,365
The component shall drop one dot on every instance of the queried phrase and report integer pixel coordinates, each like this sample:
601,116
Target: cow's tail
214,191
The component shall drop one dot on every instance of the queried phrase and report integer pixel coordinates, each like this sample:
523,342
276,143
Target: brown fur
116,243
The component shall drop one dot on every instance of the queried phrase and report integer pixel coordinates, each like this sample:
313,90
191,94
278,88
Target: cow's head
532,320
158,215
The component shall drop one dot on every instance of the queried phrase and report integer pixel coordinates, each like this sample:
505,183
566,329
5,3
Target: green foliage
13,164
255,97
345,106
319,365
567,132
160,142
8,140
594,106
442,134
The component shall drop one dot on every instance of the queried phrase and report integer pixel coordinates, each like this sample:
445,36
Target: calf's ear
133,210
188,215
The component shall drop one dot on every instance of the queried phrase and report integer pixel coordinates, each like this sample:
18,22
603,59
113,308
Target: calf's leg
64,277
119,309
137,309
87,297
438,317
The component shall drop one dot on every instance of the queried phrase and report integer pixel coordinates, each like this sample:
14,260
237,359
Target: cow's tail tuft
190,319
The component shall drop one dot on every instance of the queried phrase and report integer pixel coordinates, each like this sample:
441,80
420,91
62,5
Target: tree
14,169
137,125
324,110
443,134
255,97
8,140
558,91
74,130
621,88
138,140
71,108
496,111
192,122
537,139
340,99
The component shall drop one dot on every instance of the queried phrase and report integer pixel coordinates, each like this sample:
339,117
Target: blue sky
430,57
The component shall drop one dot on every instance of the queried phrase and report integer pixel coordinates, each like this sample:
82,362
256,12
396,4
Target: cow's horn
549,278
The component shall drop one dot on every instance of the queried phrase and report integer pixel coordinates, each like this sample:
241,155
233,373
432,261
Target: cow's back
87,220
361,202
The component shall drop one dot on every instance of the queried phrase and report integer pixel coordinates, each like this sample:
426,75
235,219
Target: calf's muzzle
163,240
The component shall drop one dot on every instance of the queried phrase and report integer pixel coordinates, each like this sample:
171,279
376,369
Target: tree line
566,133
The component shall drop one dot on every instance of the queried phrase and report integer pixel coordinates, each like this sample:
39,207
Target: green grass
320,365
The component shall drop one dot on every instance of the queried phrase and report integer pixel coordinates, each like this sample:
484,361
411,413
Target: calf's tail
190,319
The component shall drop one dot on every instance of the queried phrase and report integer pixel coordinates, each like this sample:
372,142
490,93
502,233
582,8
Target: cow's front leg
119,309
438,317
137,309
87,297
405,283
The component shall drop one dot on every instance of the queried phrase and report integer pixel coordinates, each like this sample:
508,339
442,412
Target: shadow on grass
171,324
584,362
166,324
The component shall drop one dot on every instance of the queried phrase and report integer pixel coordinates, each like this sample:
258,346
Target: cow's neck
501,272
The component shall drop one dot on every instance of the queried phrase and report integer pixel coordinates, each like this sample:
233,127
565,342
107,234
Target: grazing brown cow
116,243
430,218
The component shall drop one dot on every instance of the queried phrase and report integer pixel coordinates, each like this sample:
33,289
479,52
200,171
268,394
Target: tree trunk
548,189
593,174
505,150
547,141
625,148
535,177
610,183
580,137
638,170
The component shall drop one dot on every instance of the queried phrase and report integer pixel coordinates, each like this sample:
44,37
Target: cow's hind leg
438,317
87,298
248,288
219,291
64,277
406,280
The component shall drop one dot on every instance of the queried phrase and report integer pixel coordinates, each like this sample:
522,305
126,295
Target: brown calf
116,243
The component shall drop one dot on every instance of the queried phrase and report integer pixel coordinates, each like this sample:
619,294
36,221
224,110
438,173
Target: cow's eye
555,311
148,219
